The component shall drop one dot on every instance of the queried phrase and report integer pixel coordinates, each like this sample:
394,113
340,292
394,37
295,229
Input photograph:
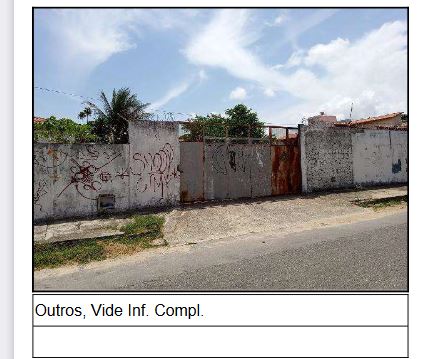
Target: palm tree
112,118
87,112
81,115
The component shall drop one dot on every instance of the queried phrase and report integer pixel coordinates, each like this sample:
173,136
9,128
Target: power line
63,93
167,114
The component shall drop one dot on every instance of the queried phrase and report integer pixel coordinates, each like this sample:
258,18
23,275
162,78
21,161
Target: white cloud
238,93
170,95
269,92
295,59
86,38
178,90
223,43
279,20
324,54
371,71
202,75
303,22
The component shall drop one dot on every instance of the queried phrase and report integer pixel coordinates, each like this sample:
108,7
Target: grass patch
382,202
138,236
57,254
144,224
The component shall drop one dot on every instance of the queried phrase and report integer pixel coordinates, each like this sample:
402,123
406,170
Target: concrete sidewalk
194,223
79,229
203,222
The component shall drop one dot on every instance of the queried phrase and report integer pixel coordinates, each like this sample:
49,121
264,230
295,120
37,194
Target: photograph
220,149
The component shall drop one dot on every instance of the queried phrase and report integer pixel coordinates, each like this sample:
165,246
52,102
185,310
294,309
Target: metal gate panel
285,171
191,171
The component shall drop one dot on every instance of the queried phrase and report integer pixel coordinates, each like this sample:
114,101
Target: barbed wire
153,115
65,93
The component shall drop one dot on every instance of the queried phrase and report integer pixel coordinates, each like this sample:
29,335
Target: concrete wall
155,156
379,157
326,158
347,157
68,179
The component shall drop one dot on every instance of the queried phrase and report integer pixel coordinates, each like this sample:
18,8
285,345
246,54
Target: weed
382,202
147,224
56,254
138,236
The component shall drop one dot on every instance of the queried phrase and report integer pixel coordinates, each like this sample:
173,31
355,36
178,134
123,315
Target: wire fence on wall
193,131
190,130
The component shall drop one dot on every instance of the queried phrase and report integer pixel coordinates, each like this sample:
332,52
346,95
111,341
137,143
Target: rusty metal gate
231,168
286,176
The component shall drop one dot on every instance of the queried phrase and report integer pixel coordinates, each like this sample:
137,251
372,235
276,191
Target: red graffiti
83,178
105,176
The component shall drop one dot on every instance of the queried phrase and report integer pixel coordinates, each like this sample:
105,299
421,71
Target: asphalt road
368,255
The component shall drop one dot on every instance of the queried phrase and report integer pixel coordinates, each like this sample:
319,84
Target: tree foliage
112,117
404,117
85,113
210,126
63,130
240,121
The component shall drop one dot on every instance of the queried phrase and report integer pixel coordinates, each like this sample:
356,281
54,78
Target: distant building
322,120
391,120
39,119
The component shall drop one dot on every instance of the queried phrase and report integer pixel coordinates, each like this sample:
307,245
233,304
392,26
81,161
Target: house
391,120
39,119
322,120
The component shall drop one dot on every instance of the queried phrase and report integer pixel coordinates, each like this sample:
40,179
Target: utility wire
63,93
168,113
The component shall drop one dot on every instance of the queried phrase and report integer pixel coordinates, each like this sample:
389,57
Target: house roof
39,119
369,120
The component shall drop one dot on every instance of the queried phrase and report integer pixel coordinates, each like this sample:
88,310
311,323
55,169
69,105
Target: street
366,255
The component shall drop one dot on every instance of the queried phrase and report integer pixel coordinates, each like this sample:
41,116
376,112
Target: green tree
63,130
112,117
81,115
240,121
87,112
211,125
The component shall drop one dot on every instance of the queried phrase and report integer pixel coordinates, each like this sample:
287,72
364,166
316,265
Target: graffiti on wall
88,178
90,169
226,159
154,171
40,191
51,159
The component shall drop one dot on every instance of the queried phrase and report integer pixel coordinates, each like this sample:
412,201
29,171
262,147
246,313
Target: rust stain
184,196
285,161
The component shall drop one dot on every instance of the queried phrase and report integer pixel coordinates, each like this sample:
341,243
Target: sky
286,64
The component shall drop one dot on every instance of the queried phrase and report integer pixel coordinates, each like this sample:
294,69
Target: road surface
367,255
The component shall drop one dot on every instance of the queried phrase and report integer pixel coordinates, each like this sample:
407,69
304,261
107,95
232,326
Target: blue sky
284,63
